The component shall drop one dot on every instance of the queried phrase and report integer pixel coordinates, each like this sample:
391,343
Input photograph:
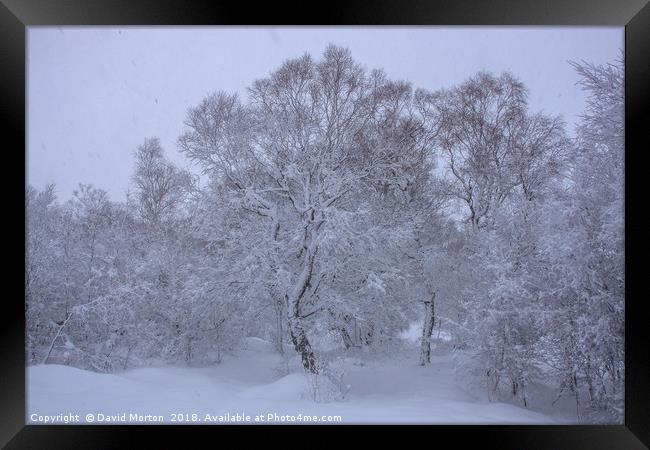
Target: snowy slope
250,384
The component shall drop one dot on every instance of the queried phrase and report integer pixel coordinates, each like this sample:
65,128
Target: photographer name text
187,418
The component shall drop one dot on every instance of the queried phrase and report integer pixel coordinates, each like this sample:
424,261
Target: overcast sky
95,93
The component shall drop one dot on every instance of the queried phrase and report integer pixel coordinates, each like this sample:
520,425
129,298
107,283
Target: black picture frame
16,15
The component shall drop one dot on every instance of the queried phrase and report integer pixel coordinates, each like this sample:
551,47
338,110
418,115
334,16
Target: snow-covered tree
302,157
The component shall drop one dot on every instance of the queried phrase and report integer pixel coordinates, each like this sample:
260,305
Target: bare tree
159,185
492,145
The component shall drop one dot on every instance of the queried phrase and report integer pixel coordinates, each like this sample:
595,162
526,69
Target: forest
329,210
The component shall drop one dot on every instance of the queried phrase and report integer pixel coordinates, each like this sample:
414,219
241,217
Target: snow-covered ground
252,384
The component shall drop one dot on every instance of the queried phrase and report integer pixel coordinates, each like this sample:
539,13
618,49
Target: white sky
94,94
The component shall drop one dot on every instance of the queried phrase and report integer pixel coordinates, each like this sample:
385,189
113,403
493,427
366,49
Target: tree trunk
302,345
347,340
189,350
293,298
366,338
279,328
427,330
58,333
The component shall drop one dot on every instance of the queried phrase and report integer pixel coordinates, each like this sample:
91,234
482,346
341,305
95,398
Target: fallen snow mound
248,384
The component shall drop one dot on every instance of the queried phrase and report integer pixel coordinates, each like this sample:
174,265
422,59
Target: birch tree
492,144
298,156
